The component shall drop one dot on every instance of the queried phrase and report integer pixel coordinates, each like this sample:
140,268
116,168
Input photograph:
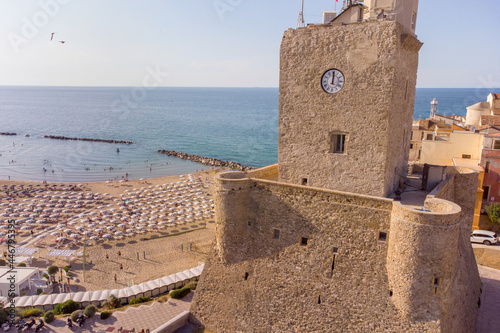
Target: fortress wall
420,264
232,213
259,283
269,172
464,307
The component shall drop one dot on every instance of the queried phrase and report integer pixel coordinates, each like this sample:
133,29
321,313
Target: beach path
144,317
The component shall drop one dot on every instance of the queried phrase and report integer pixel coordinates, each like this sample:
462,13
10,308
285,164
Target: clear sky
215,43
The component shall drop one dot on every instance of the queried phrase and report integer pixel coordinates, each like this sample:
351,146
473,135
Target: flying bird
62,42
52,36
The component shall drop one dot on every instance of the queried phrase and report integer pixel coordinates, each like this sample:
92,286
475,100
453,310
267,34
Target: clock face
332,81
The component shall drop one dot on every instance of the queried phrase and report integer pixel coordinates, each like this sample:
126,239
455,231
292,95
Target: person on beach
121,266
115,278
119,253
107,256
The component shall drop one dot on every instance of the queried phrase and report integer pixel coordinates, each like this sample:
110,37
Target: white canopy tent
155,287
60,253
21,277
25,252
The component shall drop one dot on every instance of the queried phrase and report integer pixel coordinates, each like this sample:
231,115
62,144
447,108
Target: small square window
497,144
411,145
276,234
303,241
382,236
466,156
304,182
429,137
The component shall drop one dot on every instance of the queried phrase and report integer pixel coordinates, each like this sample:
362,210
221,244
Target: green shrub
31,312
192,285
493,211
90,311
105,315
67,307
3,316
23,264
180,293
48,317
45,275
39,291
52,270
76,314
139,300
66,269
112,302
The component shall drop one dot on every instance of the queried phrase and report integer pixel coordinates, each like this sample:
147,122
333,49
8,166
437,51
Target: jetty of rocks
86,139
207,160
8,133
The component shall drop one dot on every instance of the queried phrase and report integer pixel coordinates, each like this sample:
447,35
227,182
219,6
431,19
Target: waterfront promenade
145,317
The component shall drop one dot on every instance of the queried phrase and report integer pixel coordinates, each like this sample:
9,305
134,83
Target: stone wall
360,263
379,61
464,301
420,265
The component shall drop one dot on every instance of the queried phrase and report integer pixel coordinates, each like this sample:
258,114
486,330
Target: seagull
52,36
62,42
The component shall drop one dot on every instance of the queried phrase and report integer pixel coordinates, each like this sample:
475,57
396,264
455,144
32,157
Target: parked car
484,237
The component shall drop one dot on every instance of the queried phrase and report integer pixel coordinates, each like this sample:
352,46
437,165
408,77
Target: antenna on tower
300,20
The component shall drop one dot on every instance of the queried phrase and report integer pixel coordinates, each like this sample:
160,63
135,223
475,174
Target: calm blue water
236,124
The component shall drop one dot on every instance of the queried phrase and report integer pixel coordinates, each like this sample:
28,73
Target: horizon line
197,87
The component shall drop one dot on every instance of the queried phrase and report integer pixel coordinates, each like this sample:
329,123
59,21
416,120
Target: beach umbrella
55,233
94,237
106,236
61,239
74,235
87,232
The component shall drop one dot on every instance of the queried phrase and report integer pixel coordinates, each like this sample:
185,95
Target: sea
230,124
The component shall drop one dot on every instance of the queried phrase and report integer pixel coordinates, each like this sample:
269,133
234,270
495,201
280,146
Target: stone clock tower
346,99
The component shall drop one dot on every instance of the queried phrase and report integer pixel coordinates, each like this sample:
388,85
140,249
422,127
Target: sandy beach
156,226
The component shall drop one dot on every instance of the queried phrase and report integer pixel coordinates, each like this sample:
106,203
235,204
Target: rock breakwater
86,139
207,160
8,133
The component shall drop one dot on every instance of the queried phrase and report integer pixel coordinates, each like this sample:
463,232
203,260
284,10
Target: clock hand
333,79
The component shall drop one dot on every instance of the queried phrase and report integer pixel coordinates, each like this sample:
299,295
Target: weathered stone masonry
337,255
369,264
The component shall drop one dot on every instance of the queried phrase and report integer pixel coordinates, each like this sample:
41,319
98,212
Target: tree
493,211
52,270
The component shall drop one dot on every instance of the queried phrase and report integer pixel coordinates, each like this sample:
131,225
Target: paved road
489,313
